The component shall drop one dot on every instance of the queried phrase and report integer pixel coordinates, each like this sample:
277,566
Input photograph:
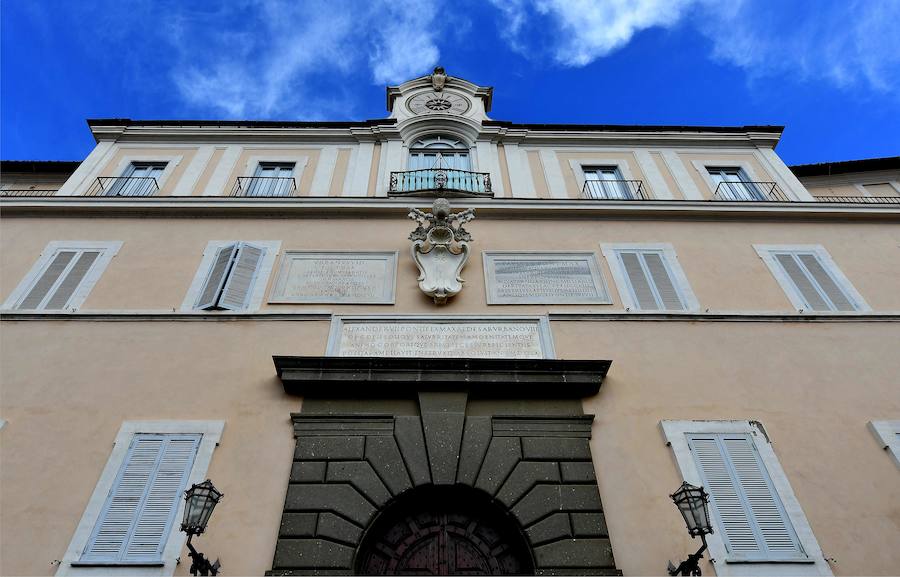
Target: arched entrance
444,531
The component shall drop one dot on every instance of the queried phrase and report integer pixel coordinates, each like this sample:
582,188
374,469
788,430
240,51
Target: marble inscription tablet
543,278
441,337
336,277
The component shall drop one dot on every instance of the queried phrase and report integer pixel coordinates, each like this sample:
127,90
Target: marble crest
440,249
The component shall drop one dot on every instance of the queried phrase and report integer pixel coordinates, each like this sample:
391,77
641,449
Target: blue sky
827,70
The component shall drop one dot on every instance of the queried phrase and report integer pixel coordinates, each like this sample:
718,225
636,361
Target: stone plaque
543,278
502,338
336,277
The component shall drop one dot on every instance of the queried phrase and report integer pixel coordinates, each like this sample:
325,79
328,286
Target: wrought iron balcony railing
446,181
860,199
749,191
613,190
124,186
264,186
27,192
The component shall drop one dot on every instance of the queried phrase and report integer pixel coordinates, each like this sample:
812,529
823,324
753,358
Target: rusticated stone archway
435,530
362,461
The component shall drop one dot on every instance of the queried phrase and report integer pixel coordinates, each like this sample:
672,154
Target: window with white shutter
757,519
63,276
230,280
649,278
135,521
748,512
888,435
810,278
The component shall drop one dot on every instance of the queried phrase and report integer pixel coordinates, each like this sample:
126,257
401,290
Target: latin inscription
336,278
451,339
535,278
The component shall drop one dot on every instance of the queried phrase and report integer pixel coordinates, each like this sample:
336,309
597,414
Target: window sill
117,564
806,561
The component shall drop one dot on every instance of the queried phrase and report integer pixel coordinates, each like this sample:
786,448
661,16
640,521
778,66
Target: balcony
124,186
27,192
749,191
860,199
264,186
440,181
613,190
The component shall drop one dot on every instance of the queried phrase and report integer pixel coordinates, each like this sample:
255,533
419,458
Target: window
605,182
733,183
810,278
139,179
272,179
888,435
63,276
438,152
232,276
755,514
649,278
132,518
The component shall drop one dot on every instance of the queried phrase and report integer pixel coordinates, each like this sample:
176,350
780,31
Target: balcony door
272,179
139,179
734,184
438,152
605,182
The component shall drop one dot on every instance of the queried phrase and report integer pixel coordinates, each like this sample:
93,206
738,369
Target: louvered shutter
236,293
802,282
750,517
47,280
141,507
665,288
215,280
640,284
72,279
826,283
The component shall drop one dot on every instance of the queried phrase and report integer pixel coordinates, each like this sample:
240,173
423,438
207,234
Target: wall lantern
693,504
200,500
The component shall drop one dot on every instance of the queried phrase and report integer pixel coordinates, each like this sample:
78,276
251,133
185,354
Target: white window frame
108,249
211,432
579,165
886,432
259,285
299,160
767,253
670,260
676,435
172,161
703,166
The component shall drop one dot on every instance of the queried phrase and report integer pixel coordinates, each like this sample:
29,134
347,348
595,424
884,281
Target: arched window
439,152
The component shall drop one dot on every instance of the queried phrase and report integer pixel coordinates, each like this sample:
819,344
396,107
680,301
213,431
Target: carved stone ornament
438,78
440,249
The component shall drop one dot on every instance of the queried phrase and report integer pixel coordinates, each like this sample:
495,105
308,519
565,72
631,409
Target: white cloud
265,67
850,44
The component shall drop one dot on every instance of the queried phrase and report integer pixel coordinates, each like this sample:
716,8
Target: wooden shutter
47,279
236,293
138,514
72,279
215,280
826,283
750,517
651,283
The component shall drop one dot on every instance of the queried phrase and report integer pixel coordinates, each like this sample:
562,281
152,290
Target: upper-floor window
438,152
272,179
811,280
733,183
63,275
138,179
606,182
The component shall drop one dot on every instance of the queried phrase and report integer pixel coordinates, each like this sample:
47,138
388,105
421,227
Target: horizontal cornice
348,207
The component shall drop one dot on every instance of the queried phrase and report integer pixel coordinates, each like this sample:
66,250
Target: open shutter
72,279
218,272
47,280
148,487
665,288
640,284
236,294
751,518
826,282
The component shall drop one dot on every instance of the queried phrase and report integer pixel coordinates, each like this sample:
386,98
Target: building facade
511,380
